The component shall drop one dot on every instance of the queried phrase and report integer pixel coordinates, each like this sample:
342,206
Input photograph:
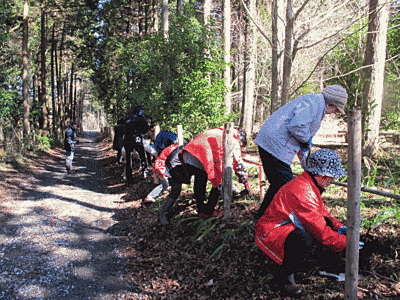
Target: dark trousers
128,164
119,154
297,245
277,173
181,174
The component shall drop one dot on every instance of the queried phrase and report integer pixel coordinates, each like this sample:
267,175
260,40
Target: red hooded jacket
301,196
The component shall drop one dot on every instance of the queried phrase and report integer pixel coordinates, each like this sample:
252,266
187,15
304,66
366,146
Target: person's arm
239,168
160,166
304,115
70,139
311,215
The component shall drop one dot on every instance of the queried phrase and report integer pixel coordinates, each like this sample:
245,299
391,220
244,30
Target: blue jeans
159,189
277,172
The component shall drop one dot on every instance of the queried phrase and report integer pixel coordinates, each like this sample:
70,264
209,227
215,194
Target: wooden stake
179,131
227,171
353,205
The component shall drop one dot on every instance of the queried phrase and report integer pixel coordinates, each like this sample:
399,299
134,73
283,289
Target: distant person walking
69,144
289,131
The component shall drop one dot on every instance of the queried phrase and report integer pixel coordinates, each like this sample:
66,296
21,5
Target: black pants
128,164
277,172
119,154
181,174
297,245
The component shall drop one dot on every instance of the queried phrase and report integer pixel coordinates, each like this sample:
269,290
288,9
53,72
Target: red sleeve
310,211
159,164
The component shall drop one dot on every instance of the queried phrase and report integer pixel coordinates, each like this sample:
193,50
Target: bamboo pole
372,191
227,171
353,205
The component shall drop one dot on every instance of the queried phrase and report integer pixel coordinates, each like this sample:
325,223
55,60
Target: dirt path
55,240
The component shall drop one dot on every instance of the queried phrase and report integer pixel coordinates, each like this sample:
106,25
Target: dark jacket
70,139
135,127
119,131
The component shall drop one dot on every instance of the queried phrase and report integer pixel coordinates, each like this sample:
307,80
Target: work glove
360,245
342,230
72,147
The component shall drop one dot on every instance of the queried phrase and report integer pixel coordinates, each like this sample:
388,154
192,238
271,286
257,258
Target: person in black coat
119,131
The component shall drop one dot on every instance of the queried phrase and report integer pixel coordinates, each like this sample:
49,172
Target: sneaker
215,214
149,200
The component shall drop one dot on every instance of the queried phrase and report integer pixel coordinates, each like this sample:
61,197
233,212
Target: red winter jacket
301,196
160,166
208,149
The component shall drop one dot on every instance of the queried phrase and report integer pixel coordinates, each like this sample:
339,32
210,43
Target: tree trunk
43,71
277,39
287,53
179,7
375,55
226,29
249,72
206,11
71,93
53,85
165,19
155,15
25,79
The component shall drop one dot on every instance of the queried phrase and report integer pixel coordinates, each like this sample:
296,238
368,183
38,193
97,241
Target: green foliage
43,142
345,58
176,80
391,121
392,47
382,217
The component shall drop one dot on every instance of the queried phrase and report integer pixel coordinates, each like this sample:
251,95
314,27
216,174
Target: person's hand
342,230
360,245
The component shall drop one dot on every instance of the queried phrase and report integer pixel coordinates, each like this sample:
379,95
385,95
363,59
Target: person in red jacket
297,217
203,158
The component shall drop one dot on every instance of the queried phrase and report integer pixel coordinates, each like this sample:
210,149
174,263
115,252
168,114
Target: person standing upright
289,131
69,144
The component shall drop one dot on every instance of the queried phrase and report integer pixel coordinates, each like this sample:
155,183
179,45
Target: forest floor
89,236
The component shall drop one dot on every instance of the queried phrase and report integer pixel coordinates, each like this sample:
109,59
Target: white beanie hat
335,95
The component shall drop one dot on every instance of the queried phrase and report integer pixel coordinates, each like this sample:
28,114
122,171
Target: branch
360,68
258,26
319,61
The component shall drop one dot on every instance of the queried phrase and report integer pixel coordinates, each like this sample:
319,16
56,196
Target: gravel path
55,240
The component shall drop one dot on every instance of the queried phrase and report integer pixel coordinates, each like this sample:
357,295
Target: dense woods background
193,63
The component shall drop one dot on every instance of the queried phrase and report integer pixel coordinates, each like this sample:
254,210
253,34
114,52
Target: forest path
55,235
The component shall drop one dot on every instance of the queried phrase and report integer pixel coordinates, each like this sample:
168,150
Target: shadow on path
55,239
